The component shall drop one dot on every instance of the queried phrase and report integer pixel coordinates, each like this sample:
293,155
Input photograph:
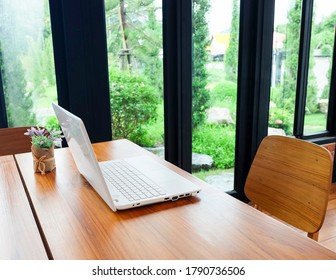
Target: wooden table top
78,224
19,235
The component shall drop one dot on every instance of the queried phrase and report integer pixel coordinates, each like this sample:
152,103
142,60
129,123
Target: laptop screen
80,146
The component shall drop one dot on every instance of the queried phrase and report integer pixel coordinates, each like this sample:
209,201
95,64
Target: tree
135,38
149,51
285,98
201,95
324,31
324,34
18,101
312,88
37,59
231,54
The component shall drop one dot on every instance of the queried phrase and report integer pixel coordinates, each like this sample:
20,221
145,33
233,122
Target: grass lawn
315,122
203,174
216,74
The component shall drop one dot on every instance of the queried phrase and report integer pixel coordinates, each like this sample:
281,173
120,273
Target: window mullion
3,115
303,66
331,118
254,67
80,51
177,42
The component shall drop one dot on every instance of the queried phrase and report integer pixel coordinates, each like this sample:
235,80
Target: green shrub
52,123
217,142
224,90
327,50
155,131
225,95
133,105
283,98
280,118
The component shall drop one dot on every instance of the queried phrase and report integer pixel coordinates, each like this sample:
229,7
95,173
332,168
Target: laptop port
166,198
187,194
174,198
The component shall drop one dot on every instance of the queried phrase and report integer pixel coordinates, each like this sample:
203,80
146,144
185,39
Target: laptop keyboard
129,181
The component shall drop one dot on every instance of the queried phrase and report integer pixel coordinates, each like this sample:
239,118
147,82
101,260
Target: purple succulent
44,138
36,131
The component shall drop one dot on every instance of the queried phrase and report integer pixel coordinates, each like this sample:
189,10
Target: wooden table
77,223
19,235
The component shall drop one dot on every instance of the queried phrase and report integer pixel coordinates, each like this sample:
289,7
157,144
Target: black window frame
79,25
254,80
80,55
329,134
3,114
177,60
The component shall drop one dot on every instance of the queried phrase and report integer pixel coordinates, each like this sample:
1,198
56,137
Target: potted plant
43,144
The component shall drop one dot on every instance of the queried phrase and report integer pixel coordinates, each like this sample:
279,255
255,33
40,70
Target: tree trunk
124,53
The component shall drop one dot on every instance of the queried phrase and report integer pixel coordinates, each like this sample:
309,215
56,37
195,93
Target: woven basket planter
44,160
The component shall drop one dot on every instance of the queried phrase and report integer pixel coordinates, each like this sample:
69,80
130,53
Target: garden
136,78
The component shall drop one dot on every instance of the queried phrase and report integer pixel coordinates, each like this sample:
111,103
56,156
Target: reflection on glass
321,50
26,61
134,42
215,60
286,37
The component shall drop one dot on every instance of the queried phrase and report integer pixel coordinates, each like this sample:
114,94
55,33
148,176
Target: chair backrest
13,141
291,179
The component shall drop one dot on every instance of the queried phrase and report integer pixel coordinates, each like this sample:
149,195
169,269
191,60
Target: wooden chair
13,141
291,179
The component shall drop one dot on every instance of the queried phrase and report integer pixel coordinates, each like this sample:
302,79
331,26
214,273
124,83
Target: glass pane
287,21
215,60
134,41
320,62
27,62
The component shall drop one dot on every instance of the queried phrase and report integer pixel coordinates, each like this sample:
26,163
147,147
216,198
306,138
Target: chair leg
313,236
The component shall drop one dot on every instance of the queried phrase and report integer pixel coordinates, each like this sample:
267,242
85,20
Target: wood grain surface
291,179
213,225
19,235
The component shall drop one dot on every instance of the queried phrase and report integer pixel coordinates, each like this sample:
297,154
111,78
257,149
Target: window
26,61
320,64
147,38
286,43
303,45
134,43
215,67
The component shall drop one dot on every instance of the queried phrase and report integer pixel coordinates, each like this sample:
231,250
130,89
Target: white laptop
122,184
